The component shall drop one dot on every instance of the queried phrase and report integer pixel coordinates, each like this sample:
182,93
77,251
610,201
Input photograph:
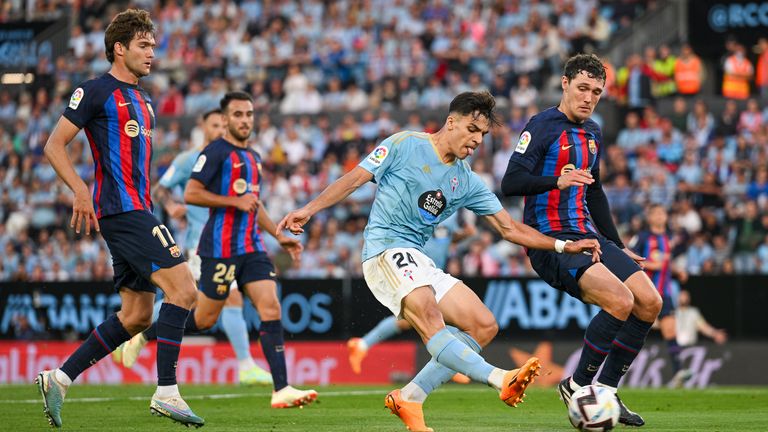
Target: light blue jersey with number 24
416,191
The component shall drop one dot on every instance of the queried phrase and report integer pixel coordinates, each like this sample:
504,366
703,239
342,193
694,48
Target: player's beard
240,136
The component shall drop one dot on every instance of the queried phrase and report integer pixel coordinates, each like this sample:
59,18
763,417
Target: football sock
151,332
383,331
454,354
628,342
433,374
674,354
170,331
62,377
272,344
233,323
102,341
166,391
597,343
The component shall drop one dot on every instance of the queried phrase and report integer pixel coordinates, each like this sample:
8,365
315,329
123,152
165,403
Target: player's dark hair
588,63
124,27
210,113
475,104
235,95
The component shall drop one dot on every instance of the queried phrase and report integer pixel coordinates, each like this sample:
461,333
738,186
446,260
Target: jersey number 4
399,259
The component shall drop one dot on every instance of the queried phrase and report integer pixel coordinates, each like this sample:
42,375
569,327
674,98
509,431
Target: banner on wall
319,363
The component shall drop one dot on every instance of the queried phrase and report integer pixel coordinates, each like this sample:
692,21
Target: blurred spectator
688,72
689,322
761,69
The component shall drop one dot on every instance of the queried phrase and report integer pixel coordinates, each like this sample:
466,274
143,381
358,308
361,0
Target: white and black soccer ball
593,408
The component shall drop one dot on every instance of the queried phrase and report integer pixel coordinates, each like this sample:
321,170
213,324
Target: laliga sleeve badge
522,143
378,155
199,164
77,96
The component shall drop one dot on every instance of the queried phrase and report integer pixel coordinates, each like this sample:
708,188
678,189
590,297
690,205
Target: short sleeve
178,173
207,166
530,149
384,156
83,105
479,199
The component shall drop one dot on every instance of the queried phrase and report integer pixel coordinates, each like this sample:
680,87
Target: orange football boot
356,354
516,381
460,378
409,412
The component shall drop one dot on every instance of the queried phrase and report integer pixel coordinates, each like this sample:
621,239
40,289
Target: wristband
560,245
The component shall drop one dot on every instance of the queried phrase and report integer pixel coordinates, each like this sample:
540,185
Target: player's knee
621,305
137,321
486,330
186,298
653,307
270,311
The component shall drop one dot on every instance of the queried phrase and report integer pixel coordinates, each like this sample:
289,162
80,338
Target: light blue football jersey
416,191
178,175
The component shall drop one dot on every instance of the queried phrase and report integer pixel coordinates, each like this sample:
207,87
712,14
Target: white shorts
394,273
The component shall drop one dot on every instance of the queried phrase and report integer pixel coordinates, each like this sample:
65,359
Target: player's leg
234,325
178,286
116,329
385,329
631,337
257,279
128,353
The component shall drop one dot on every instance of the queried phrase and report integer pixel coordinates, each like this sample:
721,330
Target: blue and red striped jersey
119,121
552,145
229,170
656,248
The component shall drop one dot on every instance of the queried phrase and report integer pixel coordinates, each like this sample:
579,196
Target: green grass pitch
452,408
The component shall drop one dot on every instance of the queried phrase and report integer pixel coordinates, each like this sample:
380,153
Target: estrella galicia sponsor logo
431,204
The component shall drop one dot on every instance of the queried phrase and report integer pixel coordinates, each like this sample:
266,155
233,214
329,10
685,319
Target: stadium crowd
362,61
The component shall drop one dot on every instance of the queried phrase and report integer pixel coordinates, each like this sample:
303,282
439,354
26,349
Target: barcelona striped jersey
656,248
118,121
552,145
228,170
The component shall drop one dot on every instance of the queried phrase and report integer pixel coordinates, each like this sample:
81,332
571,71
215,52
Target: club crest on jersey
77,96
431,204
592,146
240,186
522,143
131,128
175,251
568,168
378,155
454,184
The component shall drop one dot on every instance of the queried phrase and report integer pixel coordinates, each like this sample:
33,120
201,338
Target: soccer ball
593,408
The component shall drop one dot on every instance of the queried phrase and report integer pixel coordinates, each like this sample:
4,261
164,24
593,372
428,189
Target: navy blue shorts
667,306
563,271
140,245
217,274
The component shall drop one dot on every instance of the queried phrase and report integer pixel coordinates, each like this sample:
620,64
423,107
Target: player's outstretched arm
291,245
196,194
55,151
337,191
526,236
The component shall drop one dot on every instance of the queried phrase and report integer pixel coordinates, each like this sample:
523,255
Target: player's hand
83,212
176,210
575,177
586,246
720,336
291,245
638,259
247,203
294,221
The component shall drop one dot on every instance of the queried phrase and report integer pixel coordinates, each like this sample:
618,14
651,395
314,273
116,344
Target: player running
232,320
556,165
119,121
422,179
656,244
227,179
